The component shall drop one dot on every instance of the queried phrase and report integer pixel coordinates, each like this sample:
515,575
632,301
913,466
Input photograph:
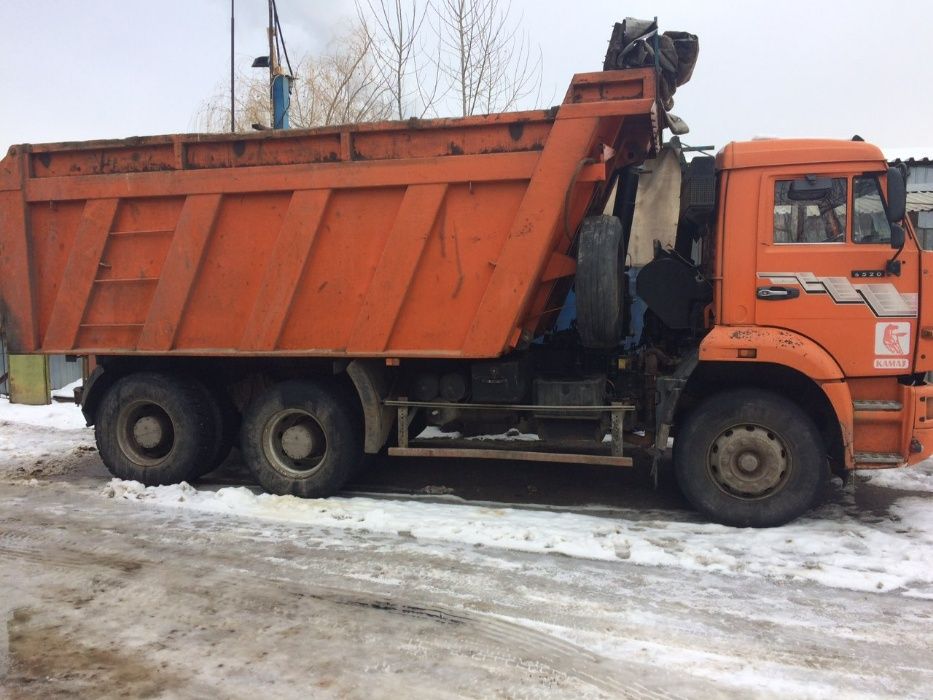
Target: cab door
823,270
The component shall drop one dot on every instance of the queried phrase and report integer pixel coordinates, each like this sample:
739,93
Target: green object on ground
29,380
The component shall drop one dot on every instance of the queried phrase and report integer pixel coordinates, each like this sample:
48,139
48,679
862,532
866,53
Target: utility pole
279,82
273,62
232,82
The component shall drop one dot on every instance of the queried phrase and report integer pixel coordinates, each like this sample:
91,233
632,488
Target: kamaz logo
892,338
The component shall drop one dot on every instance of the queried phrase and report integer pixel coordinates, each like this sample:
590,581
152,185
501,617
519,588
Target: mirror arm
893,266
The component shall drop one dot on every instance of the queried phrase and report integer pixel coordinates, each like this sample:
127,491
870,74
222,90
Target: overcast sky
111,68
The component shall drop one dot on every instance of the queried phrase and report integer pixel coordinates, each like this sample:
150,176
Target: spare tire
600,282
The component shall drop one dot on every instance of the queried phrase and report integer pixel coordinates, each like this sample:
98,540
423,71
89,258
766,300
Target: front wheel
750,458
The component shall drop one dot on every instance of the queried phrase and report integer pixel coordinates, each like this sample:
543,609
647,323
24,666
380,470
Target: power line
281,37
232,81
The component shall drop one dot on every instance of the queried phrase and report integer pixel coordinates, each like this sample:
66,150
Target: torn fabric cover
632,45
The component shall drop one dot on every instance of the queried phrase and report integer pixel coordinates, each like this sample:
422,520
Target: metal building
919,191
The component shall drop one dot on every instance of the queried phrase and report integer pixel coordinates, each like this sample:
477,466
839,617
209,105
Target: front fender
792,350
775,345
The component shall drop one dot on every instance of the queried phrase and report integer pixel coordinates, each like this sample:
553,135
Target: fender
372,384
775,345
783,347
93,390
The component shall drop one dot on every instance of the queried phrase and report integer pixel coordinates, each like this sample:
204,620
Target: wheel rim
294,443
749,461
145,433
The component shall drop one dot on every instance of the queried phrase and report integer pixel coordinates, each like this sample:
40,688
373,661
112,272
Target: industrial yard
415,582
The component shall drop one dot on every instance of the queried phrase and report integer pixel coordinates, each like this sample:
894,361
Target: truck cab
819,301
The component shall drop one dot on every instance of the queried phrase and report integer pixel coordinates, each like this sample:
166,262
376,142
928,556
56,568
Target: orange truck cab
813,278
316,296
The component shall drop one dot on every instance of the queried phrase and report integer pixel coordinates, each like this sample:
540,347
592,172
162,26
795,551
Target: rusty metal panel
29,380
436,238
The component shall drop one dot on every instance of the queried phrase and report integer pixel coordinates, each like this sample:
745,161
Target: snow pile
837,546
67,392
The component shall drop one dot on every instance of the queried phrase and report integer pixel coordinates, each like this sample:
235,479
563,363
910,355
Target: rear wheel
301,438
227,421
750,458
155,428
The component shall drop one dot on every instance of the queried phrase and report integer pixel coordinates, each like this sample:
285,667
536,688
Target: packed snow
836,546
915,478
58,415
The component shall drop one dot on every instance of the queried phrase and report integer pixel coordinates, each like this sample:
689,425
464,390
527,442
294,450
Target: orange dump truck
317,296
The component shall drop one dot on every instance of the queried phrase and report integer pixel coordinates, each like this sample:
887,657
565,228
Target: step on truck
318,296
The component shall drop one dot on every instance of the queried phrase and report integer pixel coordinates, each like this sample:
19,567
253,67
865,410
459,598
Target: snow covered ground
41,440
532,599
835,546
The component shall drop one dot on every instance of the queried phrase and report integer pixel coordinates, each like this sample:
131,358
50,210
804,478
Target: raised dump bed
441,238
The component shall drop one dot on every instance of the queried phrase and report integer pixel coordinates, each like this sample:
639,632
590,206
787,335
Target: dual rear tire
158,428
301,438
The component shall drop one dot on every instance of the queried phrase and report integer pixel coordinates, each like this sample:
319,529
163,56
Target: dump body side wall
429,239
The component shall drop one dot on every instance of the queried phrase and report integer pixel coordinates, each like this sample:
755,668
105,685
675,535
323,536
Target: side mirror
810,189
898,236
897,198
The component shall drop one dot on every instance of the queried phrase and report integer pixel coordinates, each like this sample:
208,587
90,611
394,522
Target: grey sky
110,68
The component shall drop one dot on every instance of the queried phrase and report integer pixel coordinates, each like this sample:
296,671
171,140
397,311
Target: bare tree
344,85
400,58
340,86
488,60
395,28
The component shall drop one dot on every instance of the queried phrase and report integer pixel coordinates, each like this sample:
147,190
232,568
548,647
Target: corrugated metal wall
62,372
921,175
921,178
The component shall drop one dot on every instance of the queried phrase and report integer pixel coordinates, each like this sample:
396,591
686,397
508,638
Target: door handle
777,293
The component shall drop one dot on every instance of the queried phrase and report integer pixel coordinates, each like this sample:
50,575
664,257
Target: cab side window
810,211
870,220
